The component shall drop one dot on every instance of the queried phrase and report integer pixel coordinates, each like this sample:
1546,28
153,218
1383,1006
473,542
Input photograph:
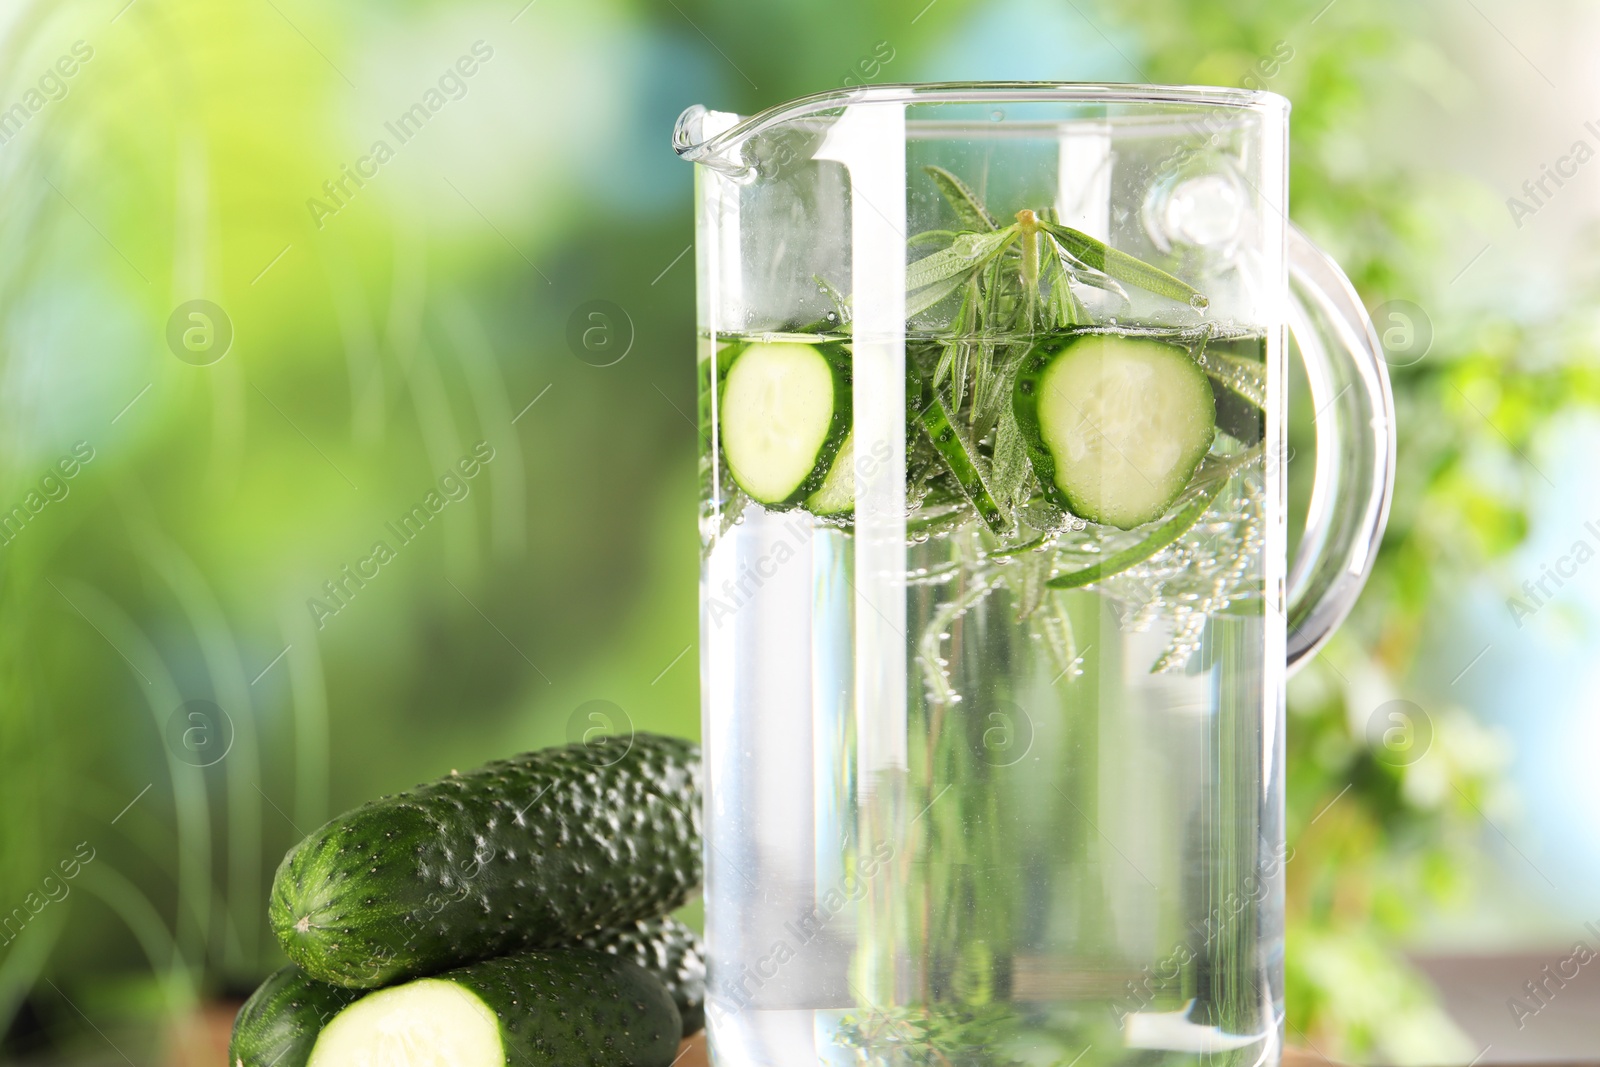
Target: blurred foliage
425,316
1381,842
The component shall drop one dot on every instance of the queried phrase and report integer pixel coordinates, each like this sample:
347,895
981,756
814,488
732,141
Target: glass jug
996,608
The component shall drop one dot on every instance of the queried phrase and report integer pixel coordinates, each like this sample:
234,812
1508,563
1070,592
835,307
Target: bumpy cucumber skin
672,953
1025,405
841,365
530,852
570,1008
281,1020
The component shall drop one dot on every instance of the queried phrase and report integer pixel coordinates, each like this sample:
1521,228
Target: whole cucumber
279,1024
537,1009
529,852
670,951
281,1020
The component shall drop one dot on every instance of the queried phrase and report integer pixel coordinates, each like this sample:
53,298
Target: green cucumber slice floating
541,1008
1115,425
785,415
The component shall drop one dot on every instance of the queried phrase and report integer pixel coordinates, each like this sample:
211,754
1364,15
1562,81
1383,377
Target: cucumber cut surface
785,415
564,1008
1115,425
424,1022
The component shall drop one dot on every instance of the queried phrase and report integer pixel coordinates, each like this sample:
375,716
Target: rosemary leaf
931,237
1123,267
922,300
1027,577
961,351
1008,477
1063,306
958,454
1083,274
968,208
969,251
947,359
1055,626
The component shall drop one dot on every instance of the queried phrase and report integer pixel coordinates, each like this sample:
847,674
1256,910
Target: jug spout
699,137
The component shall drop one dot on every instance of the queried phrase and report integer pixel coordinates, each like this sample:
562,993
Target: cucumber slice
529,852
1192,505
1115,425
517,1011
785,415
280,1022
837,494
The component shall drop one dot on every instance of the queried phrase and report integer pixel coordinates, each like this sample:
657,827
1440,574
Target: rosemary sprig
1001,290
968,208
1124,268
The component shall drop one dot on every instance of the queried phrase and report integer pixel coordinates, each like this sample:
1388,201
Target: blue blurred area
1538,682
1031,40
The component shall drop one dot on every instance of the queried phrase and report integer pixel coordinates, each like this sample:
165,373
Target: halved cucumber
1115,426
785,415
568,1007
280,1023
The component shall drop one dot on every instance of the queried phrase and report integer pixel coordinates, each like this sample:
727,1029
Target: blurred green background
161,600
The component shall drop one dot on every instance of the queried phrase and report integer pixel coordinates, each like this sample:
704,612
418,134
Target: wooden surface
693,1054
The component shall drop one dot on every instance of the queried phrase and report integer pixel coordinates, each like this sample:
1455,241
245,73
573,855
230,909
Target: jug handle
1355,448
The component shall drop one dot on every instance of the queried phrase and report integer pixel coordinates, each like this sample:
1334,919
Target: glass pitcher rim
689,143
